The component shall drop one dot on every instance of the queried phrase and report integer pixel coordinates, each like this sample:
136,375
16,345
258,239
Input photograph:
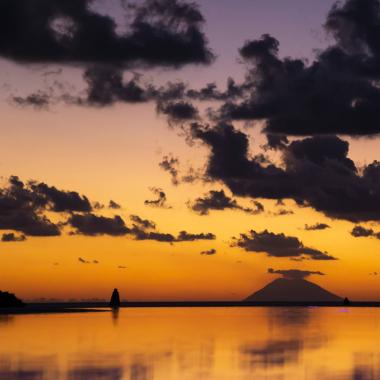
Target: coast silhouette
10,300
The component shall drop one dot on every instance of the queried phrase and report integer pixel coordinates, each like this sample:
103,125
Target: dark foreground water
193,343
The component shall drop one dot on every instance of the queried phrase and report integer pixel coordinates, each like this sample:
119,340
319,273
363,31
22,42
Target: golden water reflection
193,343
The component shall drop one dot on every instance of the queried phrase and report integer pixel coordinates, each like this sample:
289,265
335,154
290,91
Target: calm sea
193,343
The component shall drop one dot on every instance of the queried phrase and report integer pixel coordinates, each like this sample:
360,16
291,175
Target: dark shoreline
88,307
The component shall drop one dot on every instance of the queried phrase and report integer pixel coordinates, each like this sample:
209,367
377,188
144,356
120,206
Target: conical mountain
292,290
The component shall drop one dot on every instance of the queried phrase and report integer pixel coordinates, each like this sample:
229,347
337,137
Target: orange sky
103,155
113,153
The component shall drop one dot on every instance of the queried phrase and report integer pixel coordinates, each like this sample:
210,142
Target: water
193,343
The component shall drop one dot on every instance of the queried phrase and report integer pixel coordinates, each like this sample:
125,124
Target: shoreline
90,307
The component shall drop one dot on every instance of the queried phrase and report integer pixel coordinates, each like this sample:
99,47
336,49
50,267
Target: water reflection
168,344
95,373
277,353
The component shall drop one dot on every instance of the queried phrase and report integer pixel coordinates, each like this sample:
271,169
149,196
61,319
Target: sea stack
115,299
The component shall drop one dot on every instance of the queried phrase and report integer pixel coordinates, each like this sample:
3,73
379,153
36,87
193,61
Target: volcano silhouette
292,290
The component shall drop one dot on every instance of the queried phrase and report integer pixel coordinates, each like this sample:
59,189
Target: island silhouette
10,300
292,290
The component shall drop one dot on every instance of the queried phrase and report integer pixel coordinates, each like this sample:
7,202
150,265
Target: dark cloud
314,172
359,231
21,209
186,236
218,200
283,212
170,164
337,93
275,142
159,32
316,227
209,252
11,237
84,261
93,225
294,273
39,100
143,223
97,206
113,205
62,201
278,245
161,200
183,236
107,85
142,234
177,112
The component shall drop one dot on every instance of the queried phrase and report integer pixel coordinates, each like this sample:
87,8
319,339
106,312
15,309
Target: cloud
11,237
186,236
316,227
161,200
315,172
209,252
39,100
60,200
159,33
93,225
113,205
275,142
294,273
283,212
141,234
218,200
83,261
278,245
336,93
170,164
21,209
143,223
90,224
183,236
359,231
178,111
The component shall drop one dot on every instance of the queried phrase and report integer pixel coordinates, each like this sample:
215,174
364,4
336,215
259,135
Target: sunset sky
89,117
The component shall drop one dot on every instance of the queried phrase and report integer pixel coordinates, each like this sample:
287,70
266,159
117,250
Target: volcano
293,290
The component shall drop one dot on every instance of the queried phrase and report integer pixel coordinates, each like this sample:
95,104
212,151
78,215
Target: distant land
10,300
281,292
292,290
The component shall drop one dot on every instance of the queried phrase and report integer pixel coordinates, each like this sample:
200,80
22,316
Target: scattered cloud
161,200
359,231
84,261
160,33
294,273
11,237
92,225
113,205
278,245
209,252
315,172
218,200
316,227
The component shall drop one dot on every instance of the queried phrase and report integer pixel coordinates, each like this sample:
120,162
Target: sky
113,142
